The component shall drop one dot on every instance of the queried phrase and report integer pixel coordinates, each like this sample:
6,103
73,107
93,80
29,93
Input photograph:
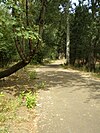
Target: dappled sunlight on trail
70,102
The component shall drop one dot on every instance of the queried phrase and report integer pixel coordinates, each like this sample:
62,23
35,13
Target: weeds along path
16,98
69,103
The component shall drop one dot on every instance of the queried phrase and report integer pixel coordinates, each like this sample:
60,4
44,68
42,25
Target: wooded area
33,30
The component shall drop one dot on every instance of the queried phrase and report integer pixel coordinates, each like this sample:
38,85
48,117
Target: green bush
29,99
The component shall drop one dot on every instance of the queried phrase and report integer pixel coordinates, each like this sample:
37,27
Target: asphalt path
69,103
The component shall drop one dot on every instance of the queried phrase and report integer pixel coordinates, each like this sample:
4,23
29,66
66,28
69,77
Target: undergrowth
33,75
10,104
8,107
28,99
97,75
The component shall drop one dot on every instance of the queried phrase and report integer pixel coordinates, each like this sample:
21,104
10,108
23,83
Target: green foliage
10,106
12,26
84,31
7,47
33,75
38,58
40,85
97,75
80,32
83,37
29,99
27,33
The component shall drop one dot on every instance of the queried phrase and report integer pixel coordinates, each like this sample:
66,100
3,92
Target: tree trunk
13,69
27,20
92,45
67,33
41,19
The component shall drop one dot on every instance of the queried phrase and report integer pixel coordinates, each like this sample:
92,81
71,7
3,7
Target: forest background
35,30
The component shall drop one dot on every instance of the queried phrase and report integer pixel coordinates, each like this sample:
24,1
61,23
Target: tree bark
41,19
13,69
67,33
27,20
92,54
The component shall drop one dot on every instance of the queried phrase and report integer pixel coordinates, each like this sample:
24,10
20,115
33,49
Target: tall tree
95,5
24,36
67,6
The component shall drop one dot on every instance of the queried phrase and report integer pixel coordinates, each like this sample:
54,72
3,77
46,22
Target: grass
29,99
4,130
7,108
13,100
97,75
33,75
40,85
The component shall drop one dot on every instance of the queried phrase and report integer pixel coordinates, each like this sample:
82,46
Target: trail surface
70,102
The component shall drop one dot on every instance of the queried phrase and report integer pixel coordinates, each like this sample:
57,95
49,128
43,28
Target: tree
95,5
24,36
84,36
47,29
67,6
80,31
7,49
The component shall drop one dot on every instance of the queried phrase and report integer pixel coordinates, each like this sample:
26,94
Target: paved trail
70,103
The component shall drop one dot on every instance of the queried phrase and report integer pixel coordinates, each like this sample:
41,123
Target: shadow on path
53,75
71,102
